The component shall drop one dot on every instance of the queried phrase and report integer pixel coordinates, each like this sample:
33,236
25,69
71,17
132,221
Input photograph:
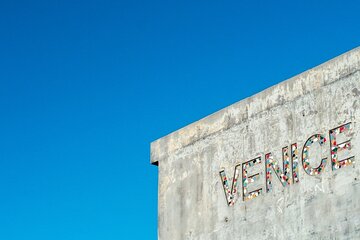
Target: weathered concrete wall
192,203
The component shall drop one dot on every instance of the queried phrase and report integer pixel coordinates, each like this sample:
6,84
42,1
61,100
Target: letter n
284,174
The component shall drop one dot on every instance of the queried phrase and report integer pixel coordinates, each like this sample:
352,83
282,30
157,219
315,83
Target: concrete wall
192,202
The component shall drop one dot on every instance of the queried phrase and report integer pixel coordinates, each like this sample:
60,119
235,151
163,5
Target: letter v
230,193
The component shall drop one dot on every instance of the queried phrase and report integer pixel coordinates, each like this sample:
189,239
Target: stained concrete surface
191,199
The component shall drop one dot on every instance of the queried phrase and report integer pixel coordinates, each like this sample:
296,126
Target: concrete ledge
324,74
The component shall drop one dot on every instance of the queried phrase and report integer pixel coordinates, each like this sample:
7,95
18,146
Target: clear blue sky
87,85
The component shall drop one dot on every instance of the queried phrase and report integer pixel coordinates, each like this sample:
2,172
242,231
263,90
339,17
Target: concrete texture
192,203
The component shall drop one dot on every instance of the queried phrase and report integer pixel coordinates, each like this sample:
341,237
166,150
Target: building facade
282,164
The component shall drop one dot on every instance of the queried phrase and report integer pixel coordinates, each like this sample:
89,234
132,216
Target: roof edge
312,79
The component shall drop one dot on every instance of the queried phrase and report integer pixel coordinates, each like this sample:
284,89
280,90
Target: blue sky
87,85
